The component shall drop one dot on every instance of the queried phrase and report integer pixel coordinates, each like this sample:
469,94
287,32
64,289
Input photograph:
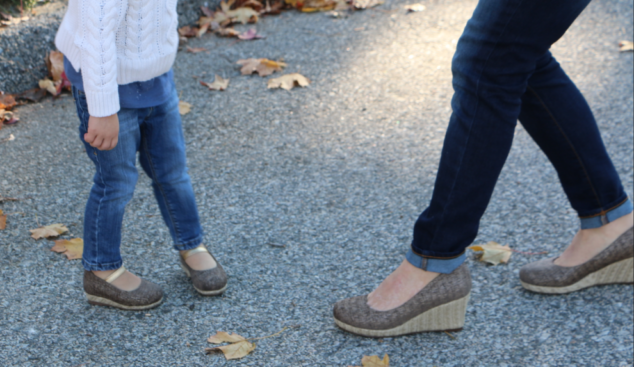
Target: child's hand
103,132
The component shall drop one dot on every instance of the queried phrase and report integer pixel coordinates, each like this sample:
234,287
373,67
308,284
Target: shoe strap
112,277
194,251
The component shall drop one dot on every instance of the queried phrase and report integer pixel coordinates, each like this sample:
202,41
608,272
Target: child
119,55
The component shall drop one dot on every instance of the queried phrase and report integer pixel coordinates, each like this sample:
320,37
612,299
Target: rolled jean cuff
189,244
607,217
444,266
101,267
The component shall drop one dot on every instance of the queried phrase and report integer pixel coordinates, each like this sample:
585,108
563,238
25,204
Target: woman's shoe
440,306
101,292
210,282
613,265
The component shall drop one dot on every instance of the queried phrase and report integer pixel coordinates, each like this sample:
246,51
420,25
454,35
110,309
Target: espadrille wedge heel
613,265
440,306
101,292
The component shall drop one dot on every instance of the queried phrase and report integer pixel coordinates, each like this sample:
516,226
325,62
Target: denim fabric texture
503,71
150,93
156,134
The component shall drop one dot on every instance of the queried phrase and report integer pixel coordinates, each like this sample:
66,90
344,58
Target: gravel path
310,196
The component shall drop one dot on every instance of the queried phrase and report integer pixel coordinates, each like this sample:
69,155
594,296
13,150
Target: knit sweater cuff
102,103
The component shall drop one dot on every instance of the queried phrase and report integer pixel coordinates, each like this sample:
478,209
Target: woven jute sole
447,317
100,301
215,292
618,272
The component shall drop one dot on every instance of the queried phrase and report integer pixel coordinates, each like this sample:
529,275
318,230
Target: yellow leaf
493,252
52,230
184,107
288,81
243,15
263,67
218,84
3,220
55,63
49,86
626,46
235,350
73,249
224,337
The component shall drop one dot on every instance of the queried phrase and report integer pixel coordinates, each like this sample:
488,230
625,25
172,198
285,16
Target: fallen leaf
493,252
218,84
184,107
234,350
7,101
196,50
365,4
207,11
3,220
227,32
49,86
73,249
52,230
274,9
224,337
55,64
243,15
288,81
12,20
188,31
626,46
263,67
5,116
10,138
374,361
415,7
33,95
250,35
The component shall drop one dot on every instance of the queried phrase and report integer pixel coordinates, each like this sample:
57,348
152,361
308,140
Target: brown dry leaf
493,252
188,31
415,7
227,32
49,86
184,107
263,67
218,84
626,46
3,220
55,64
7,101
224,337
374,361
288,81
243,15
52,230
33,95
365,4
196,50
73,249
234,350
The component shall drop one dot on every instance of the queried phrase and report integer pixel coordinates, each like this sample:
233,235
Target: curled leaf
52,230
493,253
263,67
55,64
184,107
234,350
73,249
49,86
224,337
218,84
288,81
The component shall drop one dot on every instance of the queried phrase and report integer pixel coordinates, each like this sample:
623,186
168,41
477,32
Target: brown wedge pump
101,292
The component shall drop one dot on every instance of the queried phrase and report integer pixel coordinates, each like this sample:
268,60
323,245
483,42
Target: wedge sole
100,301
620,272
447,317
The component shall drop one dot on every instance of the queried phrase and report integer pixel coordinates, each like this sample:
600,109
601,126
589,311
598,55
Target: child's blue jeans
156,134
503,71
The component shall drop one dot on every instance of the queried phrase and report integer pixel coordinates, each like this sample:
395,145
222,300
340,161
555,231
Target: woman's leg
494,60
560,121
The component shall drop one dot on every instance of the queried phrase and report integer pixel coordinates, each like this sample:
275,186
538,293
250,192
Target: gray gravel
336,173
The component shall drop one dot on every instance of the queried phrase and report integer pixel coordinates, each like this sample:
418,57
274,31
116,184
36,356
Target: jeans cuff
189,244
607,217
444,266
96,267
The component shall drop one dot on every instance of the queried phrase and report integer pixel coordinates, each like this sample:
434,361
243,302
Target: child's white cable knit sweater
117,42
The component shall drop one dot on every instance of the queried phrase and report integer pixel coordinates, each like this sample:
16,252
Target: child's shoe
101,292
210,282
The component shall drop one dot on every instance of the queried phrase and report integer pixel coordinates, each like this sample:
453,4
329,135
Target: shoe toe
210,280
537,273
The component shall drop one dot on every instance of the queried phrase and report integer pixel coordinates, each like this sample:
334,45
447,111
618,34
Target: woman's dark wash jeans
502,72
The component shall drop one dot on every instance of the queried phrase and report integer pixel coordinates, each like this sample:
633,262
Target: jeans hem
101,267
608,216
444,266
189,244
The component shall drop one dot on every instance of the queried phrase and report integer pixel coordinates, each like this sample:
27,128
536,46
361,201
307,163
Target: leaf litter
53,230
263,67
239,346
73,248
625,46
3,220
375,361
288,81
218,84
184,108
493,253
